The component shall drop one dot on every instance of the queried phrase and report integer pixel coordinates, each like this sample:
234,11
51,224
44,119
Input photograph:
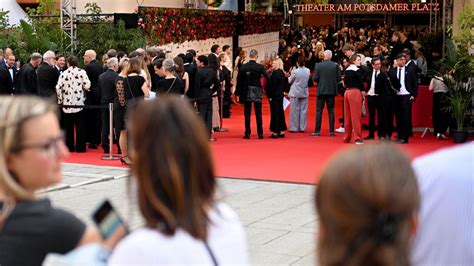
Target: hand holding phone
109,223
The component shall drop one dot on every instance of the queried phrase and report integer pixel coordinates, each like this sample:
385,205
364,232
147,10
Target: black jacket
384,83
276,85
27,80
191,69
93,70
411,80
47,77
6,82
249,75
107,86
206,84
353,79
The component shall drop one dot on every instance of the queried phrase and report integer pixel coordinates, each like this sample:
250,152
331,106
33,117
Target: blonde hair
14,113
279,64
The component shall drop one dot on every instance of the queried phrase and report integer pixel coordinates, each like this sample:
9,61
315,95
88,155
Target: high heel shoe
125,160
441,136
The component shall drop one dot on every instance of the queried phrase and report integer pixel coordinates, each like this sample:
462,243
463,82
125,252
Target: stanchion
221,128
427,130
111,136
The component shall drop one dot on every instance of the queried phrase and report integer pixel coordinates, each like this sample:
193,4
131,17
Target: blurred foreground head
173,166
367,200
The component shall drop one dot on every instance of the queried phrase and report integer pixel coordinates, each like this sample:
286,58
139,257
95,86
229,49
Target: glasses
49,149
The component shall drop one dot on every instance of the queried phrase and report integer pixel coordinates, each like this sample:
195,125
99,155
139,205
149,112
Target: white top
401,77
226,238
446,228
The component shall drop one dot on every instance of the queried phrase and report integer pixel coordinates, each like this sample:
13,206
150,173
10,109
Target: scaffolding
447,20
69,23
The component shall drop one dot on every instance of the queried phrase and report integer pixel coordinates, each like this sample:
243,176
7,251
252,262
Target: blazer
206,84
299,82
191,69
6,86
27,80
327,74
47,77
277,83
107,86
383,86
93,70
411,80
353,78
249,75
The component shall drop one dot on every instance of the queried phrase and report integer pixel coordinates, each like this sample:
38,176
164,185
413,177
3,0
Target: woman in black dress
275,92
130,88
171,83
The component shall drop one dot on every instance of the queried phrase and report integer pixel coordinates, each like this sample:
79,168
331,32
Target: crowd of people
374,206
377,65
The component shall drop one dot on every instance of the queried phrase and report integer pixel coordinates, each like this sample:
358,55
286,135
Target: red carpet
297,158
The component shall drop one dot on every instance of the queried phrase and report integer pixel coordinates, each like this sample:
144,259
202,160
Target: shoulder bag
254,93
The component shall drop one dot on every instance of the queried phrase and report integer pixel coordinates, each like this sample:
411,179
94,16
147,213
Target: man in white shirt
446,231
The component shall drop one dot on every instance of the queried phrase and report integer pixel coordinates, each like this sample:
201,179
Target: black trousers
329,100
374,110
75,123
402,115
93,124
277,115
205,111
440,117
385,115
258,116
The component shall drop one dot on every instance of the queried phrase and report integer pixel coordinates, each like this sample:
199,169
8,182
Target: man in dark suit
47,76
215,51
191,69
386,88
327,75
28,83
8,77
93,70
206,84
249,75
412,67
107,96
407,92
372,97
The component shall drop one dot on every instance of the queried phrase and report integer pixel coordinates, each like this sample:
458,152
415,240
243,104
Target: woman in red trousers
353,101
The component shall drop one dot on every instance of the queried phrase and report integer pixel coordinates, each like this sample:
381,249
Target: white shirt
446,228
401,77
371,91
226,238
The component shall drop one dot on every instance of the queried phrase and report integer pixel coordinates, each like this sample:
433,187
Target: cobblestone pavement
279,218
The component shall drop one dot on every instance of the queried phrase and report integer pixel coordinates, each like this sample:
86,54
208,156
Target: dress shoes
281,135
332,134
368,138
93,146
246,137
260,136
274,136
315,134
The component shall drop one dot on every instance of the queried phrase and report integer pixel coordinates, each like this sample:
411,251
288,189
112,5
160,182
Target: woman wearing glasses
31,151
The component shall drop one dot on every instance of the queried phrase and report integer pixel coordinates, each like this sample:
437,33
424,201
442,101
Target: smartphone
107,219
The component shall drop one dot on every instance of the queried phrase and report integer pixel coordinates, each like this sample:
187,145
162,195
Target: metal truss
69,22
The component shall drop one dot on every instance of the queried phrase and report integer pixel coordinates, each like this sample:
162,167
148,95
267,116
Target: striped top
446,228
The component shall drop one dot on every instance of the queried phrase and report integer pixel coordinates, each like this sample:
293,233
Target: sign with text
366,8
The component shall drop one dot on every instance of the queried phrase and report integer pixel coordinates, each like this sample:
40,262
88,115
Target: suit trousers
93,123
402,116
205,111
105,128
298,113
352,114
374,110
385,115
75,123
329,100
258,116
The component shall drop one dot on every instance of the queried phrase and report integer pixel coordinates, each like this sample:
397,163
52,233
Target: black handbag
254,93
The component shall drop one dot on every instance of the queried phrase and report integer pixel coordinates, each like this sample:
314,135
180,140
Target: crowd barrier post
222,129
110,156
